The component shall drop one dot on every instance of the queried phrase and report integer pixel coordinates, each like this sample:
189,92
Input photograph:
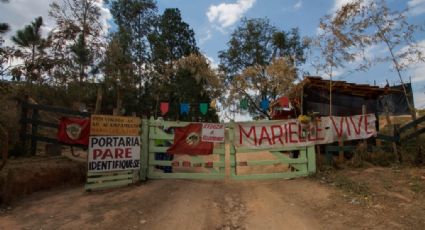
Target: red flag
187,140
284,101
164,108
74,130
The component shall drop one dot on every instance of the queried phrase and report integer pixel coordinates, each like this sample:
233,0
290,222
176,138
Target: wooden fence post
341,150
34,131
145,150
24,125
364,114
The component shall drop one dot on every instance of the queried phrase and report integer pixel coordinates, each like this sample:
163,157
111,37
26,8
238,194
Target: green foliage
30,40
76,42
172,40
260,62
4,27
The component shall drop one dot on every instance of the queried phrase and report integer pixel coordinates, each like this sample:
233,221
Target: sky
214,20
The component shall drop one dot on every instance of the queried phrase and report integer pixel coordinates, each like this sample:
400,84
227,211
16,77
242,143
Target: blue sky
214,20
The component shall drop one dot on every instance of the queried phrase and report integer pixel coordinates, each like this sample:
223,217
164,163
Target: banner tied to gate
291,133
74,131
112,153
212,132
114,143
187,140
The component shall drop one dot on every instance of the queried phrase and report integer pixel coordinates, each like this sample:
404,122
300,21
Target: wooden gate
157,136
293,162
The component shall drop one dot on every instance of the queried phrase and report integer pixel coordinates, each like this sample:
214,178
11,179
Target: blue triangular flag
264,104
184,108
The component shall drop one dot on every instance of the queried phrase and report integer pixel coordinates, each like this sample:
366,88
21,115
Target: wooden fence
31,120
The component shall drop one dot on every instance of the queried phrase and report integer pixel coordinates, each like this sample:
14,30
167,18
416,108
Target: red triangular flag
187,140
164,108
284,101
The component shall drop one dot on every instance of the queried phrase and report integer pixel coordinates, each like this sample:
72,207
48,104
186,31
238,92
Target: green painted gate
156,141
301,165
156,164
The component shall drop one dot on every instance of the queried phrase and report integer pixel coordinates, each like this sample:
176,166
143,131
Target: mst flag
187,140
74,130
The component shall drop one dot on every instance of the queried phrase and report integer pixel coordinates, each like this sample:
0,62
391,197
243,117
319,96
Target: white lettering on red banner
290,133
112,153
212,132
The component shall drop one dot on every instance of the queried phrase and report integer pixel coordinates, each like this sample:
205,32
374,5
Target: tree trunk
98,107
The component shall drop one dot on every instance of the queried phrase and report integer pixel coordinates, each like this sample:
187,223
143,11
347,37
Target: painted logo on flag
73,131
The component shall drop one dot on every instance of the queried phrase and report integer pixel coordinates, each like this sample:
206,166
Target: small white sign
212,132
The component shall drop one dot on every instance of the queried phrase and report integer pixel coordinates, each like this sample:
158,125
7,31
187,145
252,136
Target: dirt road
302,203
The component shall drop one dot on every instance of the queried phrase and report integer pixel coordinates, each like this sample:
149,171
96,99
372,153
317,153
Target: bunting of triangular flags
164,108
265,104
203,107
243,104
184,108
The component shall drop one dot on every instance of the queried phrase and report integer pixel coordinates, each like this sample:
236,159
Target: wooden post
393,130
302,101
24,124
341,150
34,131
364,114
319,158
396,144
144,153
5,149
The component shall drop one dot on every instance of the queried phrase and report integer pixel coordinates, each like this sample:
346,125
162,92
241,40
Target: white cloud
206,36
19,13
227,14
416,7
212,61
298,5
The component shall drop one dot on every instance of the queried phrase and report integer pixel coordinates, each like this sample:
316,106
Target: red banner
74,131
187,140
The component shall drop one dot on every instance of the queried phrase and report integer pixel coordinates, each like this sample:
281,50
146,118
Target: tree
172,40
30,40
361,25
4,54
135,20
118,69
77,41
4,27
250,63
333,50
195,73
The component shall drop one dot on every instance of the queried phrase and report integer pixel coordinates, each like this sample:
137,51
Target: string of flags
203,107
264,104
185,107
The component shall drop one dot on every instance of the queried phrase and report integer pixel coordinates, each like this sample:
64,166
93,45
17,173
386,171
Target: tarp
344,104
291,133
396,102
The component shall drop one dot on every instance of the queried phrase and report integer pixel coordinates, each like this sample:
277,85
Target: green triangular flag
203,107
244,104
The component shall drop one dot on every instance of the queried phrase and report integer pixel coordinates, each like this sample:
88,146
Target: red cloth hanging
187,140
74,131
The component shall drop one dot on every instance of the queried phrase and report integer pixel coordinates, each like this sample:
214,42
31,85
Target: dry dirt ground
368,198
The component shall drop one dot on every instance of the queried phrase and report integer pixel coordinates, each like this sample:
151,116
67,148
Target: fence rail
30,115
